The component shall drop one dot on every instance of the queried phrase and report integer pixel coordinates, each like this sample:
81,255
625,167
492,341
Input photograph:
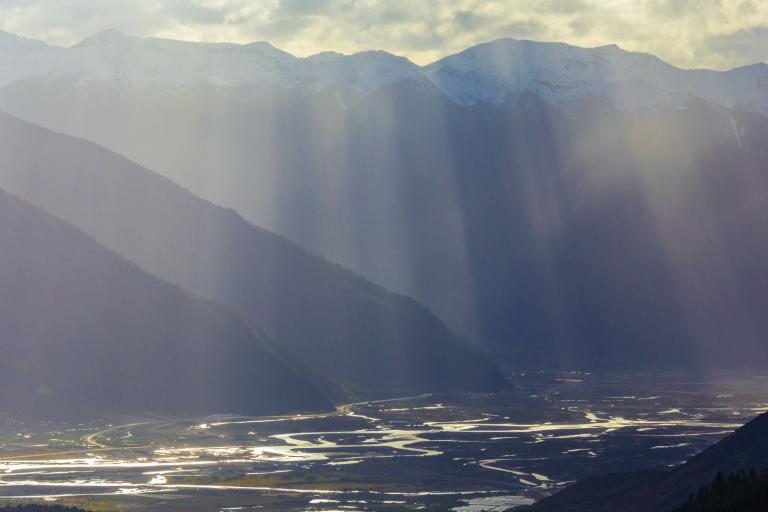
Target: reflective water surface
467,453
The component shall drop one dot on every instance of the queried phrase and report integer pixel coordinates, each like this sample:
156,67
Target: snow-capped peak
492,72
363,71
489,73
11,44
105,38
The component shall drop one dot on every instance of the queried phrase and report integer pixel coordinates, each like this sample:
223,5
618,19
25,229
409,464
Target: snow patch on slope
495,71
489,73
13,45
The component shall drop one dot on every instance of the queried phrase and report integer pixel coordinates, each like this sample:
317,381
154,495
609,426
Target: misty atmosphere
347,255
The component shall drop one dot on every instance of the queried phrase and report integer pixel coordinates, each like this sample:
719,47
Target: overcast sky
689,33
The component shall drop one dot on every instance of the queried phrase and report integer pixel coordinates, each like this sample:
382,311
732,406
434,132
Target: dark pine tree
743,491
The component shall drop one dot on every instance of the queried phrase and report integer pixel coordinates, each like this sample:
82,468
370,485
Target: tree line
743,491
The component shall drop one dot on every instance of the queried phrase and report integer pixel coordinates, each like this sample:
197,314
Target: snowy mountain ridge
489,73
13,45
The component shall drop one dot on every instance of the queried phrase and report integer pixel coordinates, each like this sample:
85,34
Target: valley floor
468,453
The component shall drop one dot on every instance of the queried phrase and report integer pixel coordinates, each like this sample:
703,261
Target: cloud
749,45
689,33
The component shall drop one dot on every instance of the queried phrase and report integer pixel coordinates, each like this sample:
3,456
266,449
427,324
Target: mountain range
487,73
565,206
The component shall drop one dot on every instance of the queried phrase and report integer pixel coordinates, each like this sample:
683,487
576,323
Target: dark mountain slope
344,328
738,492
86,332
661,491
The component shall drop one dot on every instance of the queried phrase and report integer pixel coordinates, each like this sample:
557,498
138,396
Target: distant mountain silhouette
661,491
85,332
355,338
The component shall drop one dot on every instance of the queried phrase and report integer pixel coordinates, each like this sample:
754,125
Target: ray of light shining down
370,255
